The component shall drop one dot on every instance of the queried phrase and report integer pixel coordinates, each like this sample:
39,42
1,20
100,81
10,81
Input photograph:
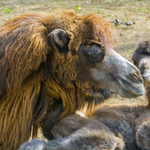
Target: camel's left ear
60,39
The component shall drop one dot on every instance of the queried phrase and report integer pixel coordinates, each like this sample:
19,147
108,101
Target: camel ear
59,39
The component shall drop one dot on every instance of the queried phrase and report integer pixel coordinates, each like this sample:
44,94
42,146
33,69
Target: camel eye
145,50
94,53
95,58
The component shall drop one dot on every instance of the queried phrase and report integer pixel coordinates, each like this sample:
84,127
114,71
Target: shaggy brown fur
86,138
41,67
121,127
122,121
130,123
141,59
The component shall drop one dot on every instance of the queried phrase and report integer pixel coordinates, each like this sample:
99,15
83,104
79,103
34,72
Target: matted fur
28,77
141,58
128,127
109,127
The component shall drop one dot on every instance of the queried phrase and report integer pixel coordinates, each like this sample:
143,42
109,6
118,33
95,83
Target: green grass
78,7
7,10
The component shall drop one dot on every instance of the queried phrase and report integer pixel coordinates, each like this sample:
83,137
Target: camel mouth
130,89
132,92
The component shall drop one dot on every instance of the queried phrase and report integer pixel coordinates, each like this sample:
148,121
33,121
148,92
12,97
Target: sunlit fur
33,74
85,139
120,127
129,124
128,127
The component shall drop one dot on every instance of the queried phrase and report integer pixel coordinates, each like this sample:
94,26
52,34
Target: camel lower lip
131,89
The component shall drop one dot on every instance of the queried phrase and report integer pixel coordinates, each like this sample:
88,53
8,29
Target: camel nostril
136,75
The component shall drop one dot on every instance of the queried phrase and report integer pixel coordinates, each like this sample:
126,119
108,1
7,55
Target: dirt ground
136,13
